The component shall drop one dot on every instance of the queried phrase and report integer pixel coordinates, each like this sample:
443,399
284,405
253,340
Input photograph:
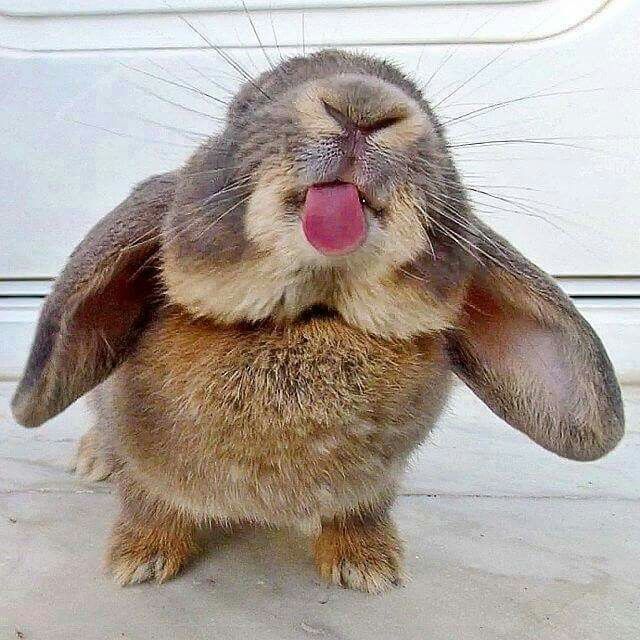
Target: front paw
361,555
140,553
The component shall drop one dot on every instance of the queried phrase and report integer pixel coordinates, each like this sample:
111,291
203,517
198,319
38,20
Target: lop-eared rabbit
271,330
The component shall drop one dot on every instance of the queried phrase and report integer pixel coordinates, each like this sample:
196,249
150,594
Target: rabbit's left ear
524,349
98,307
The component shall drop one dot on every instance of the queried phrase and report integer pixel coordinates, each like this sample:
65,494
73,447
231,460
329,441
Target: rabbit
270,331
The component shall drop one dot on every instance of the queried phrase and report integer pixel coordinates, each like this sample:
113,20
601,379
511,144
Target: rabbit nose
363,126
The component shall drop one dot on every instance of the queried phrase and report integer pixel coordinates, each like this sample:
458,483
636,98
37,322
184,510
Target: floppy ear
98,305
524,349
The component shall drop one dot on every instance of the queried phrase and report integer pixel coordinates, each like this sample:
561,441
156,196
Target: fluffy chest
285,382
264,420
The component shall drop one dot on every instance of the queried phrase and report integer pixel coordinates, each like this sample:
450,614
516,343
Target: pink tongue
333,220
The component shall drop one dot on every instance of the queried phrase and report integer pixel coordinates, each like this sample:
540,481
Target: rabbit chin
281,275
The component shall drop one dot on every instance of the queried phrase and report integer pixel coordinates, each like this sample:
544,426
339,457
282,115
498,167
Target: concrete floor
504,540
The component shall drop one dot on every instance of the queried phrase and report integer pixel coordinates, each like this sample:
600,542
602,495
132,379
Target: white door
541,97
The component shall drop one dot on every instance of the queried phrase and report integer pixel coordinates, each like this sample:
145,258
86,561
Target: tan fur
277,424
91,460
390,102
283,274
150,541
360,552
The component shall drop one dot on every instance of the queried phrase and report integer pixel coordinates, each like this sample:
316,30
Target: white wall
82,120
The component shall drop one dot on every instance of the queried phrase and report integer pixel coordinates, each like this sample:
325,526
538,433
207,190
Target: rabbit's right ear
524,349
98,305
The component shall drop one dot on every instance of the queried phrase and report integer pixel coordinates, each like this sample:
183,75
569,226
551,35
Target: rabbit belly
273,423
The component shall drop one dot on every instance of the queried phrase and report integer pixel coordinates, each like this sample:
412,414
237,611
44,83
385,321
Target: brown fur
150,540
360,551
243,376
281,424
286,425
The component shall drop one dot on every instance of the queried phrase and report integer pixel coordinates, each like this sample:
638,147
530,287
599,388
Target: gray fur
586,420
200,210
114,264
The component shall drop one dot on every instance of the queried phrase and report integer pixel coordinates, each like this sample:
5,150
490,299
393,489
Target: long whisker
197,71
464,224
455,50
226,213
257,35
214,171
122,134
234,185
209,79
180,85
178,105
491,62
473,77
458,239
224,55
518,205
447,232
273,30
552,142
465,117
304,45
194,135
196,220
